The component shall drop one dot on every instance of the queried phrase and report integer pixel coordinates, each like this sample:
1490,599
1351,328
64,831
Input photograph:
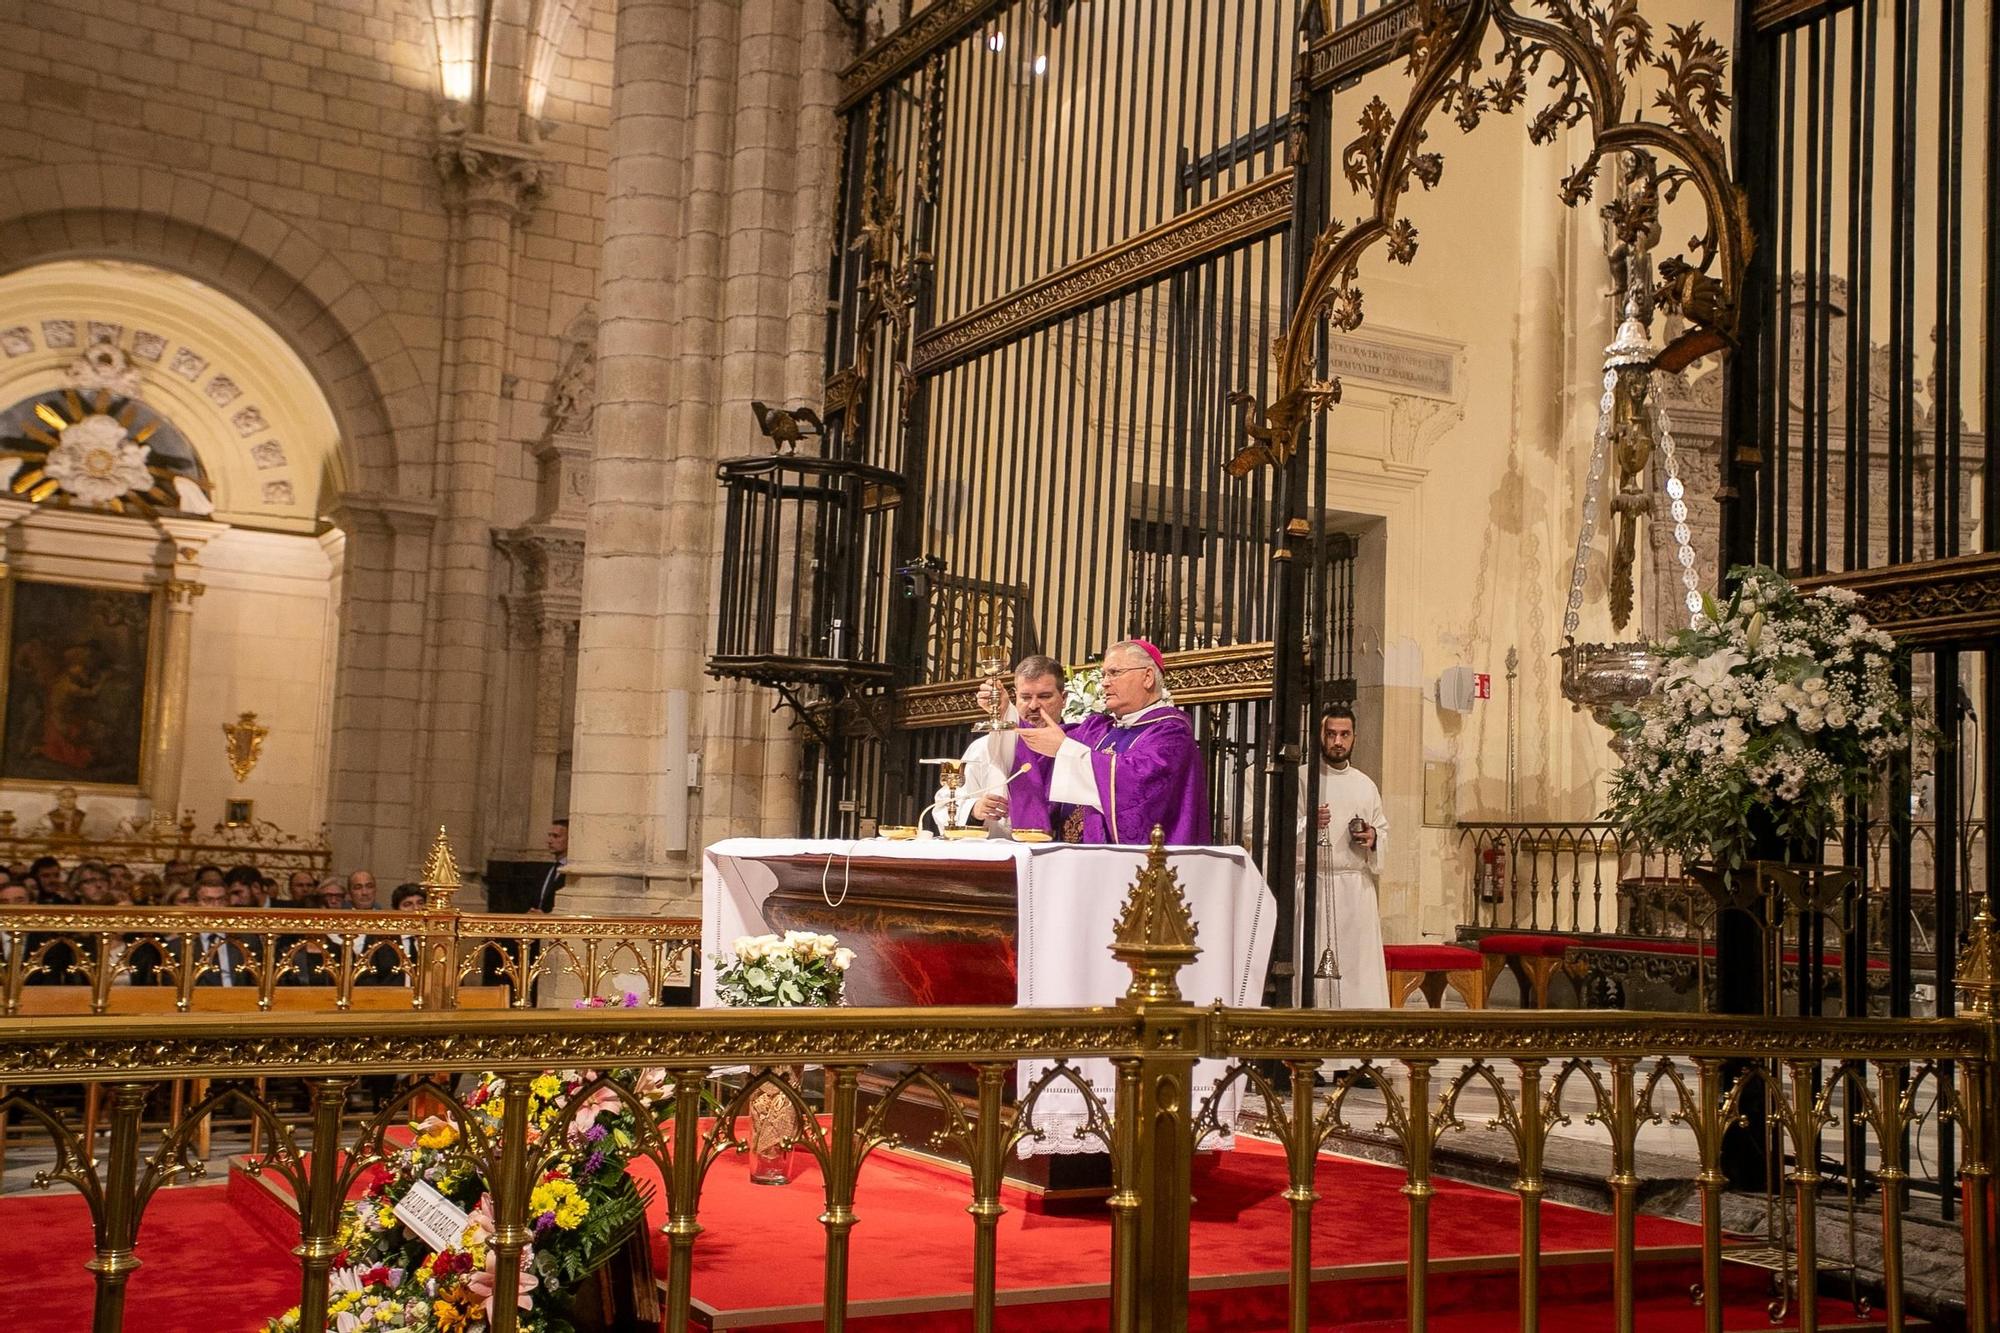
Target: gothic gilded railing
132,960
112,960
1422,1074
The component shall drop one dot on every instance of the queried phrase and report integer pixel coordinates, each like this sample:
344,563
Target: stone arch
374,383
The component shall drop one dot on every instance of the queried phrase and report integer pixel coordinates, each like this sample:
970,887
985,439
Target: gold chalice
993,666
951,776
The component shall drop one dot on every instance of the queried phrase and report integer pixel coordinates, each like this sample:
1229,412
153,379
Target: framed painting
77,679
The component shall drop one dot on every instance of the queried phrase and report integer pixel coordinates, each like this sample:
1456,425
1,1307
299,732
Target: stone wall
287,154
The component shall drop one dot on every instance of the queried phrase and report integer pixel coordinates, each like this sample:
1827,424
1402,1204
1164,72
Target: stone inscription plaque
1422,369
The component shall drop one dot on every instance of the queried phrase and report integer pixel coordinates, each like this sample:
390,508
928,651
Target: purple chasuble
1028,795
1148,773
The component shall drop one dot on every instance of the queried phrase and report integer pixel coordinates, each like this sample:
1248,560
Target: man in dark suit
544,901
228,956
384,967
552,882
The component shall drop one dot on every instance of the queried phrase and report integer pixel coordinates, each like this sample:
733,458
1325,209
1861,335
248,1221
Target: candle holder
993,666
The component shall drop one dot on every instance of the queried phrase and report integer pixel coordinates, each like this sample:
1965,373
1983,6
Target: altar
936,922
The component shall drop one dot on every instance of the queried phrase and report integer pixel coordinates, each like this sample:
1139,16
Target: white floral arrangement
770,971
1770,711
1083,694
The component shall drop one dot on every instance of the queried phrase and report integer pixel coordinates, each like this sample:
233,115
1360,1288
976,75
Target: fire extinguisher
1492,875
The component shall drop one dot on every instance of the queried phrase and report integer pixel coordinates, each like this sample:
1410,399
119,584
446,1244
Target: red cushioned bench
1431,968
1532,957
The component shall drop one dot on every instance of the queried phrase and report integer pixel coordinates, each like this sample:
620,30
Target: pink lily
481,1284
602,1099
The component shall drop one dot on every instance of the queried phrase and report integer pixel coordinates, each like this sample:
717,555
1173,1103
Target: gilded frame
149,711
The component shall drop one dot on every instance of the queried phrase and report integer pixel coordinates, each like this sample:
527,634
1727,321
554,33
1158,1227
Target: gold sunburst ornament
90,449
245,743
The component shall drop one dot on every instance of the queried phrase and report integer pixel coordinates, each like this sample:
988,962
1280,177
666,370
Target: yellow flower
571,1212
443,1135
547,1086
449,1316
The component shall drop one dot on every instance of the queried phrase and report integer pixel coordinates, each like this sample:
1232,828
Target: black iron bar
1198,95
955,259
1117,404
1942,317
981,502
1215,492
985,131
1265,139
1781,439
1823,335
1152,447
1989,527
1104,482
1860,363
1009,391
1049,221
1854,436
1060,443
1811,305
1900,193
1226,179
1952,205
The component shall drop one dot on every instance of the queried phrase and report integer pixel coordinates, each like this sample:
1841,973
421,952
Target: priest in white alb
994,762
1351,829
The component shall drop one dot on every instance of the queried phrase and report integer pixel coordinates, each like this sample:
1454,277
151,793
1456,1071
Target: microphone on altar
967,799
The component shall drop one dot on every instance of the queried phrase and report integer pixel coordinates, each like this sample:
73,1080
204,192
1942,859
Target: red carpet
214,1261
757,1262
207,1267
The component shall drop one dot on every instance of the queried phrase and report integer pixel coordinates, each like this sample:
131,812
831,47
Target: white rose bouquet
1770,711
769,971
1083,694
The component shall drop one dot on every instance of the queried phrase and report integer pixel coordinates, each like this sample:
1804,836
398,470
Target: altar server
1351,829
993,761
1129,768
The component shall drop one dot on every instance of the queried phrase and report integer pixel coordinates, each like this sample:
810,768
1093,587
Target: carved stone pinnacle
1155,934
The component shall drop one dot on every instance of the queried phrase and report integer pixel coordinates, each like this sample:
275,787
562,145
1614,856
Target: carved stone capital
483,174
548,561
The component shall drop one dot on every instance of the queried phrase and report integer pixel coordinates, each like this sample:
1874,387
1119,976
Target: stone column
185,539
535,728
491,185
378,684
621,667
703,307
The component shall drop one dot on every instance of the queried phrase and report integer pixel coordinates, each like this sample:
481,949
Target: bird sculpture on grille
786,426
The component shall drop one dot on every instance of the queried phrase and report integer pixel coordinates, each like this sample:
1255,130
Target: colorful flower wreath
387,1279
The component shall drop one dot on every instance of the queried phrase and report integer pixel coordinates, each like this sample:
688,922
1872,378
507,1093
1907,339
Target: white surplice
1348,920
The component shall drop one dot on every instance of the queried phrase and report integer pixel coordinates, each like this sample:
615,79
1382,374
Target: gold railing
131,959
1579,877
1416,1071
153,842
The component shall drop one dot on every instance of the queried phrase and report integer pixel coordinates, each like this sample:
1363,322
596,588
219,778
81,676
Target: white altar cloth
1068,903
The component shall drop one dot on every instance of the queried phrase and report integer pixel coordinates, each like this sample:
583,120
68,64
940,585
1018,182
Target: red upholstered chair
1533,958
1431,968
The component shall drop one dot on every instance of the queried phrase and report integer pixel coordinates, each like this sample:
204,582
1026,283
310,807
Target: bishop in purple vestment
1127,769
